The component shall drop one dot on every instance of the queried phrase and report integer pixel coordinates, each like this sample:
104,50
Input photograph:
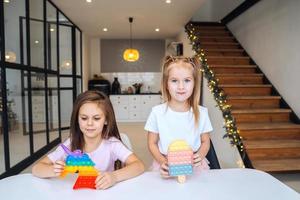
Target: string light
213,84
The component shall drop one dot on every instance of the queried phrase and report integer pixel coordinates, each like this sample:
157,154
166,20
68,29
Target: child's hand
197,159
164,170
58,167
105,180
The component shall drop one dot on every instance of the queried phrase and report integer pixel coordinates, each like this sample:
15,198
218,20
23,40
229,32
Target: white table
224,184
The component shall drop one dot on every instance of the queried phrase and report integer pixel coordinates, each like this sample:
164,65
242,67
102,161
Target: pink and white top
104,156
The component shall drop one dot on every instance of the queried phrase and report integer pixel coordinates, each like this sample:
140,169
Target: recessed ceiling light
157,29
168,1
105,29
89,1
6,1
52,29
36,41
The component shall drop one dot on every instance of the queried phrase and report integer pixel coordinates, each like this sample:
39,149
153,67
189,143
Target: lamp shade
131,55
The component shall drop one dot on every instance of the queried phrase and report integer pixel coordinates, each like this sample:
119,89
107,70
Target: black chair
212,158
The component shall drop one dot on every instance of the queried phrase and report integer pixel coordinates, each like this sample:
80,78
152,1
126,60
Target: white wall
269,31
187,47
95,67
215,10
227,154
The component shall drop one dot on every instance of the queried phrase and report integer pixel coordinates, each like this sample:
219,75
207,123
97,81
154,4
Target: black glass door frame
27,70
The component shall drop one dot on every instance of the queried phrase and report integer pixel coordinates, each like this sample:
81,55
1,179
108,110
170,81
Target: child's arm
203,150
161,159
133,167
153,148
45,168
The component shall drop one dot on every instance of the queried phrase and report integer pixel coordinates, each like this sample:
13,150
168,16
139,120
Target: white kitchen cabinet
148,101
120,105
134,108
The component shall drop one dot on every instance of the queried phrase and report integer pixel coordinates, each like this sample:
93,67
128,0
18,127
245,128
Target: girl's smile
90,130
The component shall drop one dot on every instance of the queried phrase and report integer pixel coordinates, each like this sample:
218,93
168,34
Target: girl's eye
83,118
173,81
97,118
187,80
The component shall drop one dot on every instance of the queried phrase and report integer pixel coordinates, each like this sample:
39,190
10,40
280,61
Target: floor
19,143
138,138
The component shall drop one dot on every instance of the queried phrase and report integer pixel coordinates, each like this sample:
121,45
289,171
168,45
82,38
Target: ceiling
148,15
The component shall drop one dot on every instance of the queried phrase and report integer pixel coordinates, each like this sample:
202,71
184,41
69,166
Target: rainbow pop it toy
180,160
77,161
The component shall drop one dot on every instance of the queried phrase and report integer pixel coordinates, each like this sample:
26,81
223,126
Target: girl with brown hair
93,130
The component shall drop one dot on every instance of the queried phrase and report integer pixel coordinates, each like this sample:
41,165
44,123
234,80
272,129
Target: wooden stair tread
273,144
258,144
213,31
248,85
240,75
264,126
228,57
233,66
277,165
217,36
269,110
211,27
253,97
225,50
219,43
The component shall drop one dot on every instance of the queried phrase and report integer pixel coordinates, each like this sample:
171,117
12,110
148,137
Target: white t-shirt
172,125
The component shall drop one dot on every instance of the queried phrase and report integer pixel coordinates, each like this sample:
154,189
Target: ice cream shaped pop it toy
180,160
77,161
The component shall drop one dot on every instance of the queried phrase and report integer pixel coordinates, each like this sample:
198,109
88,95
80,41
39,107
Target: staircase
270,137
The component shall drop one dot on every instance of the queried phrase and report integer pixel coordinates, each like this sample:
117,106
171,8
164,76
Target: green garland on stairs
230,125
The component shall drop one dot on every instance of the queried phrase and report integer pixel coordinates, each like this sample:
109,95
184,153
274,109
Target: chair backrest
212,157
126,141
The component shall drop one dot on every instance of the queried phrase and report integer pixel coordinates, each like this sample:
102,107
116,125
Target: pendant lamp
130,54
